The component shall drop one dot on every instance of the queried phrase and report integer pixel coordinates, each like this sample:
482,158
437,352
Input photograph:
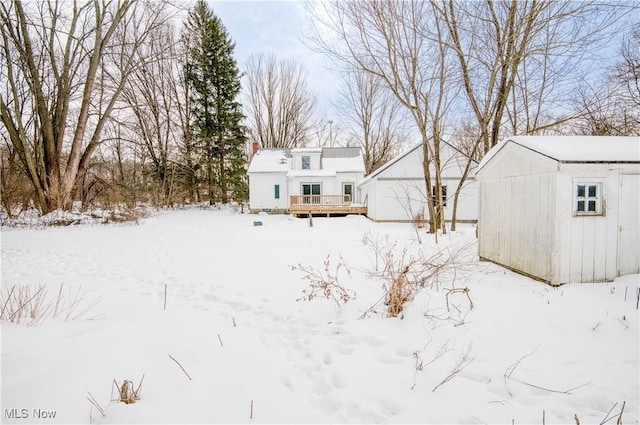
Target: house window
276,194
444,196
311,193
306,162
588,199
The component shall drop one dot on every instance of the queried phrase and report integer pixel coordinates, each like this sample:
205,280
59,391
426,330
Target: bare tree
391,40
605,110
153,94
376,118
612,106
628,68
66,66
523,55
280,107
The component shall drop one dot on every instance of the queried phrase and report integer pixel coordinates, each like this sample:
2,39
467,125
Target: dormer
306,158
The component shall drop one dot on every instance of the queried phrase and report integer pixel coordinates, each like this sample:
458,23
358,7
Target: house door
311,193
629,237
347,192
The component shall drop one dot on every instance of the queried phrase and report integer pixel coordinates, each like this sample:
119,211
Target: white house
561,209
306,180
396,191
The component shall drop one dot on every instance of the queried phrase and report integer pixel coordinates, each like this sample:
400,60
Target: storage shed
396,191
561,208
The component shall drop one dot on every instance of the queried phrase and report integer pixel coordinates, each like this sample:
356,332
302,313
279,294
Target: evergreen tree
213,78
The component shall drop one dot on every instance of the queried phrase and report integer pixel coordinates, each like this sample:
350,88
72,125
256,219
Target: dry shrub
31,305
126,393
326,284
16,192
418,219
404,274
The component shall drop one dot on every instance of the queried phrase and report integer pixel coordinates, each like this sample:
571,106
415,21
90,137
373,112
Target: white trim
587,198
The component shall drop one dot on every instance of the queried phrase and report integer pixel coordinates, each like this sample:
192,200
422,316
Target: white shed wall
589,245
515,160
516,223
629,239
527,220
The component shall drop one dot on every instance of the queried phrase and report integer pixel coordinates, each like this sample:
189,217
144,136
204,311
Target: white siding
262,191
515,160
629,242
589,244
353,178
527,218
400,199
326,184
330,185
314,158
516,223
398,192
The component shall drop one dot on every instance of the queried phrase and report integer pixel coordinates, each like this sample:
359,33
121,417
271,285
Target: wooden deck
324,205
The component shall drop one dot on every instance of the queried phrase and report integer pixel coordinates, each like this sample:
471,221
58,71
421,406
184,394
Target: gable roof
575,149
270,161
389,164
279,160
400,157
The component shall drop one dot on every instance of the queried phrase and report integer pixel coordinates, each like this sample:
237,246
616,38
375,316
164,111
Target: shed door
629,240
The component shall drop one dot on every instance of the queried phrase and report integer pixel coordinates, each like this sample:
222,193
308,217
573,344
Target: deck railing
320,200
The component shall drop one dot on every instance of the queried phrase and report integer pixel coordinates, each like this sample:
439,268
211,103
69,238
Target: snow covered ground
525,352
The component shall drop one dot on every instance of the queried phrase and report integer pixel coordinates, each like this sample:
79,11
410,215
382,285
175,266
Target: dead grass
30,305
125,392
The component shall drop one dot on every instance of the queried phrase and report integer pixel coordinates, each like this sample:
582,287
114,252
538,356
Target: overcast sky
277,27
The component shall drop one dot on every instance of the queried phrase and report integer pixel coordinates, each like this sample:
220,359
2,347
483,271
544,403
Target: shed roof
575,149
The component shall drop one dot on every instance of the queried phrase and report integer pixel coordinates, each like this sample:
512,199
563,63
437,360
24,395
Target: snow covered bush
32,217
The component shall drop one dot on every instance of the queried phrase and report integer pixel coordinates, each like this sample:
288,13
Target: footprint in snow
373,342
387,359
321,387
286,382
345,349
337,381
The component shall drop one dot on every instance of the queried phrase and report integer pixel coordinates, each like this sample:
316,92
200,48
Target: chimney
254,148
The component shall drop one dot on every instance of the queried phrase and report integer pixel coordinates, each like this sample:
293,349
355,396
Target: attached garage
561,208
396,191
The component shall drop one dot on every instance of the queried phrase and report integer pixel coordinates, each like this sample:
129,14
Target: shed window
306,162
276,189
588,199
444,196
